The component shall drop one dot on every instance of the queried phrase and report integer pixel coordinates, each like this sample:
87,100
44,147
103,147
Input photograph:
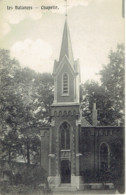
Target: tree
112,78
109,95
93,92
25,99
37,96
11,105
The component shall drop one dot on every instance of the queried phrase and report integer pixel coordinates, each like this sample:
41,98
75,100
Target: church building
73,151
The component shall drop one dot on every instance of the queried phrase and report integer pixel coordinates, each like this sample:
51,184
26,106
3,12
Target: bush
30,175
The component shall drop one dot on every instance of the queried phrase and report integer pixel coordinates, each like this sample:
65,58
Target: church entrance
65,171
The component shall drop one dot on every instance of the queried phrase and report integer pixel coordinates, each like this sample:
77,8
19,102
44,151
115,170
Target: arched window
104,157
65,83
65,136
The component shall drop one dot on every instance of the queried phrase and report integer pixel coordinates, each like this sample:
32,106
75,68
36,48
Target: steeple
66,47
66,72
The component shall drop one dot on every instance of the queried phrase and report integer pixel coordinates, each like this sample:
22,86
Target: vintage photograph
62,97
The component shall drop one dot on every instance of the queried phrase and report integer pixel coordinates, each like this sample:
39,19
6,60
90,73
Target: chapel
74,152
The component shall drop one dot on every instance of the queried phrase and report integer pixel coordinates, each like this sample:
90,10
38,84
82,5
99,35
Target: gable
64,62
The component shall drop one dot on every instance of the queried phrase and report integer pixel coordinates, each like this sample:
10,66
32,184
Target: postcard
62,97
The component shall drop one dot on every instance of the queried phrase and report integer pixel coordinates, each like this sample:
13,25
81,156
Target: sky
34,36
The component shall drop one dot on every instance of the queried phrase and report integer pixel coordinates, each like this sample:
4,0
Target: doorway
65,171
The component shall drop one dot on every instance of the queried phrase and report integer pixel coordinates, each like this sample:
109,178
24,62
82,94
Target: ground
39,190
90,192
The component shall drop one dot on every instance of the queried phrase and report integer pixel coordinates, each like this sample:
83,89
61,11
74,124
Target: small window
65,84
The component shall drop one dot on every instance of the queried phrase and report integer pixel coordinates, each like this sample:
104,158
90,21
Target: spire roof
66,47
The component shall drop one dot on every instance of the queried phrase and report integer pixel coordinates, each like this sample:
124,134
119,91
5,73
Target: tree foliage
25,100
109,95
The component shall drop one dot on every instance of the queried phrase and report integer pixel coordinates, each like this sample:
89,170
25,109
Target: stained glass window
65,136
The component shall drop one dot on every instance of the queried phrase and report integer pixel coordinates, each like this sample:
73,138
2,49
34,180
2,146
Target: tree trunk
28,154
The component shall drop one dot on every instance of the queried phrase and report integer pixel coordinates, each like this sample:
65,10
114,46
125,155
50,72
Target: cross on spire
66,8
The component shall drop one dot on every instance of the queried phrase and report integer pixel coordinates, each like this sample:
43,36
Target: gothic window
104,157
65,84
65,136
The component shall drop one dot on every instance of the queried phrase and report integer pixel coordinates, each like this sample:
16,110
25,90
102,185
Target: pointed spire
66,47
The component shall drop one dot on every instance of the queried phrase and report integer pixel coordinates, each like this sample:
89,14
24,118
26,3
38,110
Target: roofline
62,104
103,126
